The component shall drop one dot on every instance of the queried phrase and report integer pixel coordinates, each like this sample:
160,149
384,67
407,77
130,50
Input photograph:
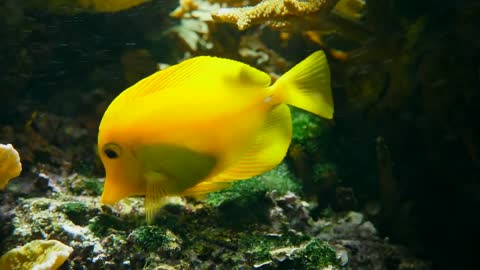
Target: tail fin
307,86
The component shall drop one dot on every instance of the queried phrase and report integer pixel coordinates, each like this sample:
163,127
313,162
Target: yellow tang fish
198,125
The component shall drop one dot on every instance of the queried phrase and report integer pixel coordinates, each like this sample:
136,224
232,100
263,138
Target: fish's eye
112,151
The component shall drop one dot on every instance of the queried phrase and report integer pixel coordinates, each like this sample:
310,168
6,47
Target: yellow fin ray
155,198
307,86
268,149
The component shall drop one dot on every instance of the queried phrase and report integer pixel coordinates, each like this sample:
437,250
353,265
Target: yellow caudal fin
307,86
267,150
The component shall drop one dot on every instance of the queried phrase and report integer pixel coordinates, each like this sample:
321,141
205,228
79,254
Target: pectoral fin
183,167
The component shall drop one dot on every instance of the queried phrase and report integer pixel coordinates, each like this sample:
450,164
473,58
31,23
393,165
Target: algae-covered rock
81,185
156,239
77,212
279,179
314,255
36,255
246,201
280,235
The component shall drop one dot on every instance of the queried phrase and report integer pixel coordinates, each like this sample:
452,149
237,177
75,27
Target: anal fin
267,149
200,190
155,196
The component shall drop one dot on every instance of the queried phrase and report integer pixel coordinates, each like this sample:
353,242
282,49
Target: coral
194,30
193,33
10,166
38,255
256,53
184,7
316,20
274,12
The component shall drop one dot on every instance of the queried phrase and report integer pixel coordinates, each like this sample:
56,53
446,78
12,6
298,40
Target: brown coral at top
277,13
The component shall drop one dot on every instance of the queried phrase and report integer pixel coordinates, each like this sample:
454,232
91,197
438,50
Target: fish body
196,126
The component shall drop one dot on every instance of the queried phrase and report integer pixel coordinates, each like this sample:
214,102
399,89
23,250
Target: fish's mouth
112,193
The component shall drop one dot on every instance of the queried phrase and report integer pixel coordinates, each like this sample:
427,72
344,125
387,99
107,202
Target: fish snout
111,193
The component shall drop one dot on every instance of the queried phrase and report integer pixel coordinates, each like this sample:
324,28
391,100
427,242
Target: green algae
77,212
94,186
309,131
246,201
278,179
258,246
103,224
154,238
316,255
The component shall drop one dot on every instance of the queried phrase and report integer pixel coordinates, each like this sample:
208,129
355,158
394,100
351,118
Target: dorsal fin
205,70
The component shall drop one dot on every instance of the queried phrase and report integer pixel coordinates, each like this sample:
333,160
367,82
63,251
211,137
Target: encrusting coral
276,13
10,166
38,254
